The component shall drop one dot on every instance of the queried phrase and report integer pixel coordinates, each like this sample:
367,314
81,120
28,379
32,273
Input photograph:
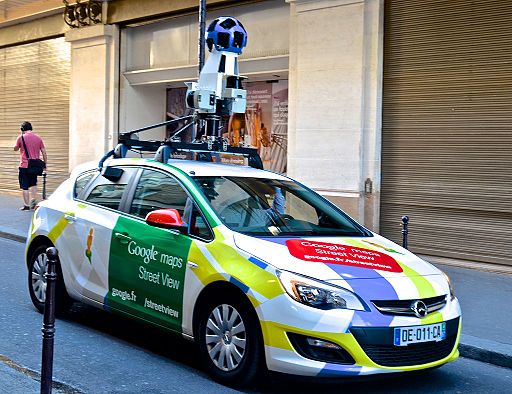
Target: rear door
87,236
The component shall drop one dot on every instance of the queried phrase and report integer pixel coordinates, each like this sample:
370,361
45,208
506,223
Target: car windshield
275,207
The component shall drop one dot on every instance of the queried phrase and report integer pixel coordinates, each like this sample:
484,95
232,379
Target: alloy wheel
38,279
226,337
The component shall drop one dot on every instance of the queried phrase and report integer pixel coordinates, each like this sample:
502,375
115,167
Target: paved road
99,353
480,294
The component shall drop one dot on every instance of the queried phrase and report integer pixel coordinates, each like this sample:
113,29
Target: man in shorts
35,147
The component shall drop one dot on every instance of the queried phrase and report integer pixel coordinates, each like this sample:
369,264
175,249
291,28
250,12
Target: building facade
387,108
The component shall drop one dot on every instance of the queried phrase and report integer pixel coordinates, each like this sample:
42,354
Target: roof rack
211,150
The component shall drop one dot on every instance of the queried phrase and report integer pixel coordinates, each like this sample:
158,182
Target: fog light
319,349
320,343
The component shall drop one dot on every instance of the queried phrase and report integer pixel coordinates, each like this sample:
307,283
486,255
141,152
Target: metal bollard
44,185
405,230
49,321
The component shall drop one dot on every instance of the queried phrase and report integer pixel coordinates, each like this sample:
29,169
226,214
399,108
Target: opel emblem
419,308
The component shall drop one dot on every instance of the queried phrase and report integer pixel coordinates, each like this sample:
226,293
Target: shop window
264,125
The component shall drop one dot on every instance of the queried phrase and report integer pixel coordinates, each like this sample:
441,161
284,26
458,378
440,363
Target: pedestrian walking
31,146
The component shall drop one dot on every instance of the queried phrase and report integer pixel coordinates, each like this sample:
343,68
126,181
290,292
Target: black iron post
200,55
405,230
49,321
44,185
202,31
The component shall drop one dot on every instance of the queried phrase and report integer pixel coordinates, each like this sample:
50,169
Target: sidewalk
484,296
14,224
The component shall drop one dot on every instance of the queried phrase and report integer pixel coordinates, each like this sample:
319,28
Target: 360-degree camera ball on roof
226,34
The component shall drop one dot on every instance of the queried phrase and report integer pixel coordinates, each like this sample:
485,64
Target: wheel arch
35,243
220,289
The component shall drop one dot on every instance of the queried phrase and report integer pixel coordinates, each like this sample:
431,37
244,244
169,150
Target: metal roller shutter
447,127
34,86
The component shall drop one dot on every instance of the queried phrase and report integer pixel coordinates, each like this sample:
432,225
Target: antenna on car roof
217,93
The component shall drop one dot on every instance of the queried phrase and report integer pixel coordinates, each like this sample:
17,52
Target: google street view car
259,270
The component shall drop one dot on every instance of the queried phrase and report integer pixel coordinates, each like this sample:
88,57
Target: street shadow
144,336
175,349
387,383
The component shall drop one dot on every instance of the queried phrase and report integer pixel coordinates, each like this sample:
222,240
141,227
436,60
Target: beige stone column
335,87
93,92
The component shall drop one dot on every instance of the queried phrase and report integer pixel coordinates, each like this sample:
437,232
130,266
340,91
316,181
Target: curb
60,387
13,237
479,349
487,351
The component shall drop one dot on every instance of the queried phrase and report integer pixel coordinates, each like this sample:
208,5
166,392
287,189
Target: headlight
318,294
452,293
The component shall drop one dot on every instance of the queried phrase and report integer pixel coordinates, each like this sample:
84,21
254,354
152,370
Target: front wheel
37,267
230,341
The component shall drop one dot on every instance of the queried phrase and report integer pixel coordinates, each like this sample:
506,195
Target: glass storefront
264,125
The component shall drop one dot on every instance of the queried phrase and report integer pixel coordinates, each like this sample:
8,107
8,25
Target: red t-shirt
34,145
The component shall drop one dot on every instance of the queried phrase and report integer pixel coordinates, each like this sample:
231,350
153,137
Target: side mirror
167,218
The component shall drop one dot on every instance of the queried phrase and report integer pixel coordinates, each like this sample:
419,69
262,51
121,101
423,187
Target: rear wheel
230,341
37,267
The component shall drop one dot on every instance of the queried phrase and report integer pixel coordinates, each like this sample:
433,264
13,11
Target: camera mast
217,93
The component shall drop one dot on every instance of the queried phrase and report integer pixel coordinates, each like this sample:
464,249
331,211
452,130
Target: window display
264,125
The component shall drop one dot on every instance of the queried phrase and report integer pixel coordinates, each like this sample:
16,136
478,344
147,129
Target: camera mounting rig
217,93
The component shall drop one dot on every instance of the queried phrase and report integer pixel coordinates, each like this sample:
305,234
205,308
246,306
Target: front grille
401,356
403,307
377,343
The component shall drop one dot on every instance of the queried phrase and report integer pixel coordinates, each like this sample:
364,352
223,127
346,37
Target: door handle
70,218
123,237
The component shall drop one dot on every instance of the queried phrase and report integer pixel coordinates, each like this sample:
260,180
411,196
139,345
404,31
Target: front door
147,264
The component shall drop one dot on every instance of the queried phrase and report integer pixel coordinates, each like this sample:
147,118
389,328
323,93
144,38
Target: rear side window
82,181
108,190
108,196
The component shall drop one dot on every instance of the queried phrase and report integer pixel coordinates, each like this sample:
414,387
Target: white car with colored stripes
257,269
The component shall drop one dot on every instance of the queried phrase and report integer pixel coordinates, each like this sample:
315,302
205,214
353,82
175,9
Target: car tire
230,326
37,267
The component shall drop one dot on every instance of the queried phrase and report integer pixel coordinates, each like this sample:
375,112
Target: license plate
417,334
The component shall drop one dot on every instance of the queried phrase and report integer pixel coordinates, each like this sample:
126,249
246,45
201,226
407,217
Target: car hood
334,258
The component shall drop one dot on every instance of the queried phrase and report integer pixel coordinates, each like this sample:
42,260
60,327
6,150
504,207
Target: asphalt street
96,352
477,292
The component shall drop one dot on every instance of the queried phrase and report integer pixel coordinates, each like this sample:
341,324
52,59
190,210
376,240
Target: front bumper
284,358
370,347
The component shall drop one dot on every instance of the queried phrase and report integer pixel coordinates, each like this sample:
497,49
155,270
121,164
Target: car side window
157,190
107,191
199,227
82,181
107,195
